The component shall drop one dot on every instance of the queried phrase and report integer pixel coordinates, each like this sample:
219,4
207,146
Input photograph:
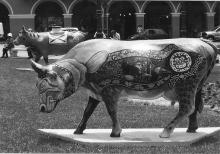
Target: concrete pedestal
146,136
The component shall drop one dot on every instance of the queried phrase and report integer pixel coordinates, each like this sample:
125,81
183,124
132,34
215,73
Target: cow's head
55,82
21,39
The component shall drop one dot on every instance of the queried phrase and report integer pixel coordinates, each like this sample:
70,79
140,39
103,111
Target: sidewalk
23,54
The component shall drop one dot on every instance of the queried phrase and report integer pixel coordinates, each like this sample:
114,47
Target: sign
58,38
1,30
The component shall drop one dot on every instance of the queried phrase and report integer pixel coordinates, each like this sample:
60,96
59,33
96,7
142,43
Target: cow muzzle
48,102
42,107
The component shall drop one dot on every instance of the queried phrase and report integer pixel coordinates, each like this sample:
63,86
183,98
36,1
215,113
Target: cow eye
53,76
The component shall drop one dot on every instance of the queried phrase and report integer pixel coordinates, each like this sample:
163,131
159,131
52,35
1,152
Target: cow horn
40,69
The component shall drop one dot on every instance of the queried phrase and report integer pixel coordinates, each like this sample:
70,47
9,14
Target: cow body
173,68
43,46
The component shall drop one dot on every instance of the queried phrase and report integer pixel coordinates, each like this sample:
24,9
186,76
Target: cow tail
199,104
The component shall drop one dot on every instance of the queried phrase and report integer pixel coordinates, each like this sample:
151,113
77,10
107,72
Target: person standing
115,35
9,45
139,29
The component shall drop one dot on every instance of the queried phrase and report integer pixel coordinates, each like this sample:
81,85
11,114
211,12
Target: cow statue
171,68
49,43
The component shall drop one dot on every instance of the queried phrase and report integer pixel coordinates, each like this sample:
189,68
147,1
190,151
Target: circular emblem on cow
180,62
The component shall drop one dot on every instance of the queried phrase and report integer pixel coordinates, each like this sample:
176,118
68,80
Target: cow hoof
78,132
165,134
115,135
191,130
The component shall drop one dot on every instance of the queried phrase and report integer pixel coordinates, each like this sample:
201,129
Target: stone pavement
23,54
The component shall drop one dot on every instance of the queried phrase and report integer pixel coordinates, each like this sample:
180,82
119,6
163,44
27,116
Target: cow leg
37,58
92,104
46,60
186,93
110,97
193,124
186,107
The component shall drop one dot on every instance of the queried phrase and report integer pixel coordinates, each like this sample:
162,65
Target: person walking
9,45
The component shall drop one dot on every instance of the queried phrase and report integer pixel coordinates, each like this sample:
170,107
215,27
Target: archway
192,19
158,16
217,14
84,16
4,18
47,15
122,18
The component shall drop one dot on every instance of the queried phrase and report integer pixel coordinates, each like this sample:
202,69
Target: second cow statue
49,43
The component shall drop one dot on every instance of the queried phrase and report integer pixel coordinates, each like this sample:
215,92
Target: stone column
106,30
103,21
140,19
67,20
99,16
175,25
19,20
210,20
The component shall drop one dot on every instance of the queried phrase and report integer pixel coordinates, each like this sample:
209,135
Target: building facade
177,18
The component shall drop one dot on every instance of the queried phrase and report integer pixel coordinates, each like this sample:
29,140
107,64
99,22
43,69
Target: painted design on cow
180,62
173,68
41,46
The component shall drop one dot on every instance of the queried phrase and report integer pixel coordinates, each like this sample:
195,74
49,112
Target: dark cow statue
49,43
172,68
140,36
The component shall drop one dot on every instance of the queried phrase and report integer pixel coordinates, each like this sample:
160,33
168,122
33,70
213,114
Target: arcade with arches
4,19
122,18
192,19
48,14
157,15
177,18
84,16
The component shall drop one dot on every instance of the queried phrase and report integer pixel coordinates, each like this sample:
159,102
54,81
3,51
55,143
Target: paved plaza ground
23,54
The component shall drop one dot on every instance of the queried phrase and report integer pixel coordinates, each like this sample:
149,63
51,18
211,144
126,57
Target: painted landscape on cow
21,117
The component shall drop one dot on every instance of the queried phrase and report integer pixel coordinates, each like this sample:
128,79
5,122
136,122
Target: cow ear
40,69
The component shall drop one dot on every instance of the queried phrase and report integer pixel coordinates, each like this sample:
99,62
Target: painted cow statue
49,43
172,68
